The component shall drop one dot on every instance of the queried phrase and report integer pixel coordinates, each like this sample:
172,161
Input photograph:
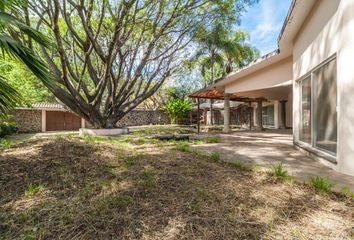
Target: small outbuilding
46,117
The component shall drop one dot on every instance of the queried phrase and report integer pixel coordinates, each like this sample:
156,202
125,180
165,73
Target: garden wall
28,121
141,117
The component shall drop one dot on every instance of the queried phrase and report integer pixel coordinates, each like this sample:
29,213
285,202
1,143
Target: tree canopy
109,56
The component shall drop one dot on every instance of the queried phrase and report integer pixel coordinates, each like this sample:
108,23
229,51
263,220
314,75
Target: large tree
110,55
15,42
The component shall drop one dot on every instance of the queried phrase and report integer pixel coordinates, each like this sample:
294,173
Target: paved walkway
271,147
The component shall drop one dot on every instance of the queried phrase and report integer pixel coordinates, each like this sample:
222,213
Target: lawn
134,187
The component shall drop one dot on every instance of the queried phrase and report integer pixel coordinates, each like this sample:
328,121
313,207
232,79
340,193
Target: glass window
268,115
325,107
305,108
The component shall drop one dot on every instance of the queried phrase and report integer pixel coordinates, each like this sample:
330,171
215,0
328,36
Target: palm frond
17,50
9,97
12,24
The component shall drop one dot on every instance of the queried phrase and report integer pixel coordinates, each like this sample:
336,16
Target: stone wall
28,121
144,117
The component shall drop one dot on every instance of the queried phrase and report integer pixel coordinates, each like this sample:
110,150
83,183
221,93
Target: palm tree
220,52
237,52
13,36
210,55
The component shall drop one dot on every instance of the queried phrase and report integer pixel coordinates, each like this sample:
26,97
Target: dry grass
126,188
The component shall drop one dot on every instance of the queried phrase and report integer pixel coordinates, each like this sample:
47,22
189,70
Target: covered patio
265,82
253,101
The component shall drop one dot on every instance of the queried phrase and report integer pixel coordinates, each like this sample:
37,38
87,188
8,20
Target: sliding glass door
305,108
318,108
325,107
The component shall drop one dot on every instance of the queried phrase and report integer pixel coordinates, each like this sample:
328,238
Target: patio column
198,115
250,115
259,115
276,115
282,115
227,128
255,116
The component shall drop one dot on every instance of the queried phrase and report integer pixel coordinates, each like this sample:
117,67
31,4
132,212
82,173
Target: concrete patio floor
272,147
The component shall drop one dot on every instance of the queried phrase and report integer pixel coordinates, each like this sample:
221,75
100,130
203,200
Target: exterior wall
270,76
329,30
28,121
144,117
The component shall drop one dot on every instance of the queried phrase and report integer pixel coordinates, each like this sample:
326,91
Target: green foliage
5,144
346,191
215,156
9,97
182,146
212,139
177,108
31,89
279,171
7,128
322,185
32,189
14,48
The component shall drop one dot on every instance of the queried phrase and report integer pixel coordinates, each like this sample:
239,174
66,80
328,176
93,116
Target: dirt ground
133,187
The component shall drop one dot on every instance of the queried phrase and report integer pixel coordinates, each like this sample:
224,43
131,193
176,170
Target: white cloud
264,21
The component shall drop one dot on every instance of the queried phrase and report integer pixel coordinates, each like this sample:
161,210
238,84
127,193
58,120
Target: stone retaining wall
28,121
144,117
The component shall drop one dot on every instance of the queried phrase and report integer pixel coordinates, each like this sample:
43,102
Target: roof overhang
296,17
217,94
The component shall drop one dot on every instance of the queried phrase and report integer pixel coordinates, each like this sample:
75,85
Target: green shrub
322,185
33,189
215,156
212,139
176,109
346,191
183,146
7,128
5,144
279,171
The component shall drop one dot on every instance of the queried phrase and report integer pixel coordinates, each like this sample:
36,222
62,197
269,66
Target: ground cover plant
134,187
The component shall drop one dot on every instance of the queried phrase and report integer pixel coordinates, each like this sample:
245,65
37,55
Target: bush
346,191
215,156
5,144
183,146
212,139
322,185
7,128
177,108
279,171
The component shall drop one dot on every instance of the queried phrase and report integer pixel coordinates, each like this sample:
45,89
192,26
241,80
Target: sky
263,21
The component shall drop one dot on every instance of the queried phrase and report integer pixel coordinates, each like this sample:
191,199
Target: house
308,81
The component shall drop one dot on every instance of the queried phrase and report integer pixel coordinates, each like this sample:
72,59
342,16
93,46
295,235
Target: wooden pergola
216,94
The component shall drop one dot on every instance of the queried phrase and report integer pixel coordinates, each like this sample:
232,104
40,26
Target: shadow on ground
70,188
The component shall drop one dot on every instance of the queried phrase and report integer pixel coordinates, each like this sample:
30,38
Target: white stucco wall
272,75
328,31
